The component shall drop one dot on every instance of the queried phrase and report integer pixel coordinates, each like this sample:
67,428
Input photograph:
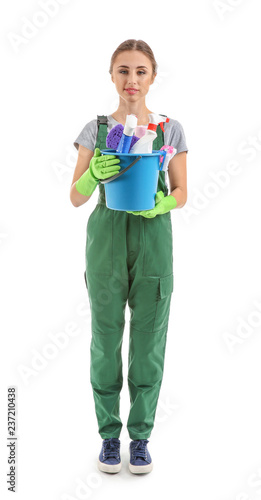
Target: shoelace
111,448
139,450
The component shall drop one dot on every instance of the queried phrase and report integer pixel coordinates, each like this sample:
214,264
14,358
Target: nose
132,78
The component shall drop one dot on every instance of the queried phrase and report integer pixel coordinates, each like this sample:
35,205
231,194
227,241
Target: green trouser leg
108,291
149,300
129,258
144,391
106,380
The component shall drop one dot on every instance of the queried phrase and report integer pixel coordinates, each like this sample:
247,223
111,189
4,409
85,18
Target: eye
140,72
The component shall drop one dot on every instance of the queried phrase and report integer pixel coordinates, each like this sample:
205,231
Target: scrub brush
114,137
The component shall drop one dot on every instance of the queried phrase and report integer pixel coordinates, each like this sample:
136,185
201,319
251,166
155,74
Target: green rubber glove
101,167
163,205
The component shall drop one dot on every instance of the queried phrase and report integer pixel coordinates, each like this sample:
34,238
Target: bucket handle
104,181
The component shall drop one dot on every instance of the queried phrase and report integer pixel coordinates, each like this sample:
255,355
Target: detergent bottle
128,131
144,145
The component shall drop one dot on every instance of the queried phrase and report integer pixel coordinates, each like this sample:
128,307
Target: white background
207,439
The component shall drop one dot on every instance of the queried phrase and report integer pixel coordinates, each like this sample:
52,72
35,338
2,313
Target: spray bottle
128,131
144,145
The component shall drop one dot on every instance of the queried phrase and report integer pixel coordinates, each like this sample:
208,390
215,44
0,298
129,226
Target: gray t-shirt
173,136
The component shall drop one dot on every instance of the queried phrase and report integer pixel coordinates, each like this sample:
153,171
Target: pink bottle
140,130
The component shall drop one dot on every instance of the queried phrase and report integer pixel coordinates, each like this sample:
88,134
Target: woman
128,258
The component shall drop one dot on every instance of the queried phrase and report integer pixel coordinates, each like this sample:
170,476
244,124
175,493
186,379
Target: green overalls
128,258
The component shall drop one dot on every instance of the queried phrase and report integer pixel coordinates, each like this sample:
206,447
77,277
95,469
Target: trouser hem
105,436
134,437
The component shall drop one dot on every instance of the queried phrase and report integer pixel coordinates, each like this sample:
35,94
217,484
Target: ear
112,78
153,78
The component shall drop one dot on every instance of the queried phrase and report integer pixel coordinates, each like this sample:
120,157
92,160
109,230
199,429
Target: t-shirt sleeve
176,136
87,136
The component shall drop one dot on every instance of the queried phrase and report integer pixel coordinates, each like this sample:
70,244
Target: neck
136,108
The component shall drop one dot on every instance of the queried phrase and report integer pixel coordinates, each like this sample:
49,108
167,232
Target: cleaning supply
144,145
170,153
140,131
161,121
114,137
163,205
129,129
100,167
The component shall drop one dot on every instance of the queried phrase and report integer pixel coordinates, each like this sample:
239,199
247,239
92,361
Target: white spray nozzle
153,118
130,125
158,119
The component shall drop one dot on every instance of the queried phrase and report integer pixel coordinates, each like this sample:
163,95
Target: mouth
131,91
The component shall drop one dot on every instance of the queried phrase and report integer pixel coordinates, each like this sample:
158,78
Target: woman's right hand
102,167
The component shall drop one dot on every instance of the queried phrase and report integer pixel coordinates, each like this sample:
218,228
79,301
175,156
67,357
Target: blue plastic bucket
134,187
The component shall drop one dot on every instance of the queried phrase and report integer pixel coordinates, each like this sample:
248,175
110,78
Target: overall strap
159,141
102,123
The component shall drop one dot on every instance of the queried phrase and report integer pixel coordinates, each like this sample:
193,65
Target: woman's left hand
163,205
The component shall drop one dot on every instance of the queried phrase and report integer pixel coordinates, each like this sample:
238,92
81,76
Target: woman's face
132,70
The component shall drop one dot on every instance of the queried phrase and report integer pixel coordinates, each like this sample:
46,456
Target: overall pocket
157,245
99,241
163,303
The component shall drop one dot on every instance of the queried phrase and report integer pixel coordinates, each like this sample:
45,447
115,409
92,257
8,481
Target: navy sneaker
140,459
109,458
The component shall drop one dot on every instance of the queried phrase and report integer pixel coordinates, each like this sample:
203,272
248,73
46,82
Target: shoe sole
140,469
110,468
